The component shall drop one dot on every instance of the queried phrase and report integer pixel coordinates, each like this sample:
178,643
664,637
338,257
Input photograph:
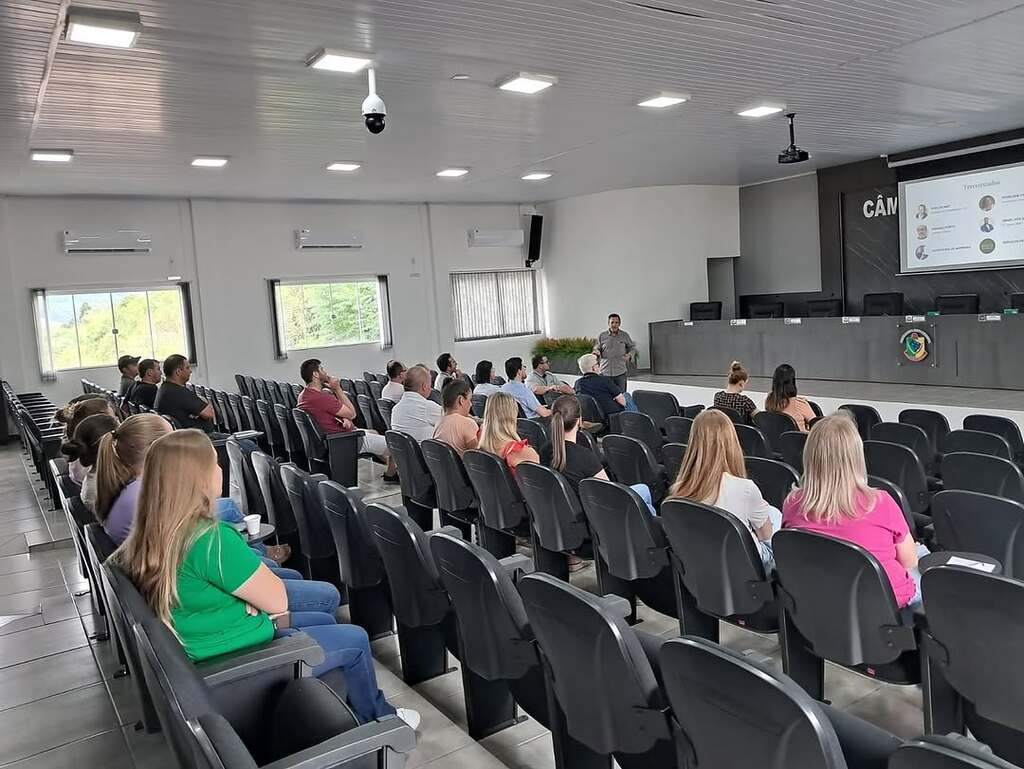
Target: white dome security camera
374,110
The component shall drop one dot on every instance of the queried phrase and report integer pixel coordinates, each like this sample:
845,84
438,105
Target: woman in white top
713,473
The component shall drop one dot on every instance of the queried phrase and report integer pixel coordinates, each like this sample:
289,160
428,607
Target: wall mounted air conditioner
308,239
487,238
110,242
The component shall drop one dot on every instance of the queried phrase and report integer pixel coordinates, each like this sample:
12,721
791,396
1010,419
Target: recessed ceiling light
663,100
452,173
343,165
525,83
209,162
108,28
173,277
460,76
335,61
536,176
52,156
762,110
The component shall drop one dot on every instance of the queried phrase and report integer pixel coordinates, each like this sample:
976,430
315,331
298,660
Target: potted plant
562,353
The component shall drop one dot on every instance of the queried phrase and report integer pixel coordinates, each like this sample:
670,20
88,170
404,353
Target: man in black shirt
145,390
601,388
179,403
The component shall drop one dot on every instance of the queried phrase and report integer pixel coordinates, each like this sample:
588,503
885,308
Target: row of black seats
872,305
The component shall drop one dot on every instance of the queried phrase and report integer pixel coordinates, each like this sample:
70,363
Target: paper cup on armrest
252,525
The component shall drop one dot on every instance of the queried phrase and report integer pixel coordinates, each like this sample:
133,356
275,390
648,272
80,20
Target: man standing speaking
616,349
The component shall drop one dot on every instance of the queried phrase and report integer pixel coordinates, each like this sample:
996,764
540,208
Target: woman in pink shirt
834,498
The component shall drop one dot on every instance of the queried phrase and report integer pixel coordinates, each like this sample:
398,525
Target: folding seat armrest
289,650
617,604
248,435
517,565
389,733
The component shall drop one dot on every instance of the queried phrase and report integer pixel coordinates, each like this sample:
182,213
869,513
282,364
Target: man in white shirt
447,370
395,388
415,415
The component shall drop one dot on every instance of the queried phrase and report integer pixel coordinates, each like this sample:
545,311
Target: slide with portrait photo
963,222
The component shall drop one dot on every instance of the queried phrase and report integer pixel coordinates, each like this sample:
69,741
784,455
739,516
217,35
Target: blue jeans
630,403
645,494
346,647
306,595
915,574
767,554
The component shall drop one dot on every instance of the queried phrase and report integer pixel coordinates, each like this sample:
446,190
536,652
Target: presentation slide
963,222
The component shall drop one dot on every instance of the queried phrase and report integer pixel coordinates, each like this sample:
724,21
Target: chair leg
464,526
370,608
797,661
692,621
547,561
421,514
943,707
490,706
423,652
496,542
609,584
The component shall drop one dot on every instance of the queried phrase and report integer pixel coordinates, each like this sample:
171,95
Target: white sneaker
410,716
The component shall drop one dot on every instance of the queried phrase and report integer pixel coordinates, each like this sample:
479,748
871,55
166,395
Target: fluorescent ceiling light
536,176
209,162
343,165
761,110
452,173
524,83
52,156
335,61
173,277
663,100
108,28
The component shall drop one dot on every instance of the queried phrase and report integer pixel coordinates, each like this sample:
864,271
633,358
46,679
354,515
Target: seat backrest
752,442
501,502
900,465
362,387
672,455
417,595
643,428
495,634
705,310
890,303
1001,426
236,476
632,462
946,752
252,418
677,429
733,414
772,424
225,415
240,383
376,389
775,479
599,672
479,405
368,377
382,379
791,446
839,598
981,523
721,565
934,424
982,472
270,424
976,442
358,560
238,414
975,632
532,432
911,436
385,407
451,483
263,390
554,507
659,406
315,537
865,416
413,475
250,388
313,442
289,431
368,408
630,543
275,496
735,713
591,410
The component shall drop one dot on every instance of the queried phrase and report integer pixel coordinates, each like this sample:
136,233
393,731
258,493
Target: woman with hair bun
83,449
732,396
73,413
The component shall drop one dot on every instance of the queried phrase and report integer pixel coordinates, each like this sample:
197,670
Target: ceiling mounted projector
792,153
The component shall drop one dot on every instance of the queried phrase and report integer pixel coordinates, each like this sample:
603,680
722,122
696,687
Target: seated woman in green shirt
202,579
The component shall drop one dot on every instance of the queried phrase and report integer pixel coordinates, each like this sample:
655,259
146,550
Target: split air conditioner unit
110,242
308,239
489,238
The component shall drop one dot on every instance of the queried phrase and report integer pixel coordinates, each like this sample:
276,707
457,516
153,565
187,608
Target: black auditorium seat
766,310
890,303
418,495
558,525
791,447
984,473
632,462
1001,426
972,522
753,442
643,428
456,500
335,455
977,442
824,308
659,406
866,417
502,508
957,304
775,479
677,429
705,310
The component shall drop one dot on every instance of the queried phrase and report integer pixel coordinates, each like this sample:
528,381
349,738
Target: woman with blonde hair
834,498
713,473
201,579
499,434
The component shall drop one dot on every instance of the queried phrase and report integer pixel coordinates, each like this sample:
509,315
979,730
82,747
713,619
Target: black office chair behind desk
824,308
705,310
890,303
766,310
957,304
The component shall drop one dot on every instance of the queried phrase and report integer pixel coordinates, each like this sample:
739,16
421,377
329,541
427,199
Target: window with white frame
89,328
488,305
330,313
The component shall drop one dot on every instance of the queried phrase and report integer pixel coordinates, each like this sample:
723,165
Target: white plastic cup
252,525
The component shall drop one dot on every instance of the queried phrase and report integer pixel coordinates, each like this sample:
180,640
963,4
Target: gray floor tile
55,721
844,687
13,545
149,751
437,735
537,753
59,608
891,713
38,579
23,525
29,601
505,741
21,514
469,757
15,623
41,641
106,750
45,677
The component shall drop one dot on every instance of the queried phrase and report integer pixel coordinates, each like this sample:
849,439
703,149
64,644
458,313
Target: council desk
953,350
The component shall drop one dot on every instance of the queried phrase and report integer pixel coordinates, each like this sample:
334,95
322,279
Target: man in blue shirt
517,388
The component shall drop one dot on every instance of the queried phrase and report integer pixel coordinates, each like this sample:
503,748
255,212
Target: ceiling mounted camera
792,153
374,110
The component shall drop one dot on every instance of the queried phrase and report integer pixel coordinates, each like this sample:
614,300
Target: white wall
227,250
639,252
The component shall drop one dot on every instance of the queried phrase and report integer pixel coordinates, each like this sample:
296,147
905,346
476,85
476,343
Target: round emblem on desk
915,344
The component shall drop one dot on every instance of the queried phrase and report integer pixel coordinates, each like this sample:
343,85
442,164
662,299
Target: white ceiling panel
227,77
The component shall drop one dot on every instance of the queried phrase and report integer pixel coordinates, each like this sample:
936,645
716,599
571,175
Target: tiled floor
61,707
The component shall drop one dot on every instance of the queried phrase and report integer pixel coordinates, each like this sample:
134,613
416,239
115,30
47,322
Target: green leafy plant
563,352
